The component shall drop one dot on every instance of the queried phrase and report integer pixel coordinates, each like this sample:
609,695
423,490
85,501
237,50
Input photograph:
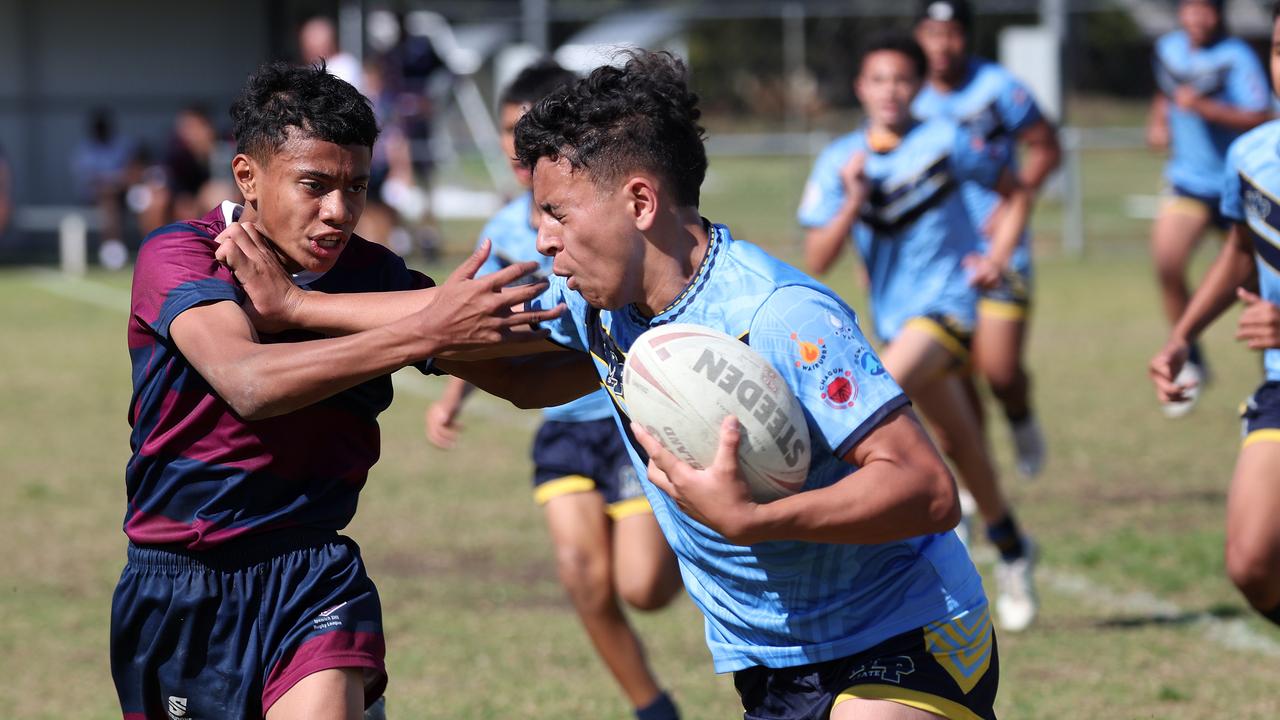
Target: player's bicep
899,439
214,338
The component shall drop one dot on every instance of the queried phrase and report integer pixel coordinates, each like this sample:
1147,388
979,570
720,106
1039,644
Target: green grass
477,625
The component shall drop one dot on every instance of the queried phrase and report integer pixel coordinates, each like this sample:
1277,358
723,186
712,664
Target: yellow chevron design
962,647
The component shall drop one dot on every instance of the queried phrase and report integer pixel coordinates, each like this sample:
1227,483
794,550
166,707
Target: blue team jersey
914,231
781,604
1227,71
1251,197
995,105
515,240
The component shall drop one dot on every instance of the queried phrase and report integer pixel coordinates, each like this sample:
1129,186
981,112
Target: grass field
1138,620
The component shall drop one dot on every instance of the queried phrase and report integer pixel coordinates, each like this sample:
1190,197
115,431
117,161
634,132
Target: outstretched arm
902,489
1233,268
530,381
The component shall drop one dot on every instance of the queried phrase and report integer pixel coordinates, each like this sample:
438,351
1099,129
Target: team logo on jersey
1256,205
177,707
840,389
811,353
869,363
842,329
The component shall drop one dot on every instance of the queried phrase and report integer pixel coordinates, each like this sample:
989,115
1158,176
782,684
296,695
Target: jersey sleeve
824,192
175,272
976,159
814,342
1232,204
1247,86
1166,80
568,330
1018,109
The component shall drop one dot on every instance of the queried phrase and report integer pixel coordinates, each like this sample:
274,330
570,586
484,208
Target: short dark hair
957,11
536,82
896,42
617,120
1275,11
279,96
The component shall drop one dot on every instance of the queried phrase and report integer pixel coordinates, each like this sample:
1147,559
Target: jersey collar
718,240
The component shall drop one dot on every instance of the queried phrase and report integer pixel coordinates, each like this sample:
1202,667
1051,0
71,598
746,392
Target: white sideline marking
1232,633
407,381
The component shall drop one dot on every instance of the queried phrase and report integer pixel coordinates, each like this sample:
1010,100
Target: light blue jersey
781,604
515,240
914,231
1228,72
992,103
1251,197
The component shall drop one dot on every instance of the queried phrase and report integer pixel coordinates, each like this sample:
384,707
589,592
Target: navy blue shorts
1197,204
224,633
950,668
572,457
951,332
1010,299
1260,415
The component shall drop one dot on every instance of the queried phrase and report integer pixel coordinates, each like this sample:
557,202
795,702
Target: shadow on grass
1220,611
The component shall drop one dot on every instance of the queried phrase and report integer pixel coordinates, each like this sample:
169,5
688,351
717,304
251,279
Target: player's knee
1171,268
585,576
1254,568
1004,379
652,592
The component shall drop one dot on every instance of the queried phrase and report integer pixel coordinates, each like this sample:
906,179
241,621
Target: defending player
988,99
1211,89
894,186
607,543
250,447
1251,202
850,599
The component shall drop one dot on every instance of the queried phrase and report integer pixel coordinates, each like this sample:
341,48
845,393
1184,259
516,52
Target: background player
250,447
606,540
1211,88
988,99
852,592
893,185
1251,202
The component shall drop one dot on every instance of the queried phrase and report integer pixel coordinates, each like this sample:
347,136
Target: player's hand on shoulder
470,312
442,427
272,301
717,496
1164,368
1259,324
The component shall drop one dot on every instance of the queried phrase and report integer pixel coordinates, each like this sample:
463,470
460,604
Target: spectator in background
318,42
100,168
185,185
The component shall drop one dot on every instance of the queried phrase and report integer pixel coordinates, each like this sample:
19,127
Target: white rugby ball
681,380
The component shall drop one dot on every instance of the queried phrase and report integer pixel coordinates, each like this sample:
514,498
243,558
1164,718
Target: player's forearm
532,381
1011,221
1233,268
346,313
279,378
822,245
1230,116
884,501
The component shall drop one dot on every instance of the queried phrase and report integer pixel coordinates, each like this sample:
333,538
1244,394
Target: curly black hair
900,43
279,96
536,82
618,120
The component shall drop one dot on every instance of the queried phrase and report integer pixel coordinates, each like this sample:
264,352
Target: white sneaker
1016,603
1190,373
968,506
1028,443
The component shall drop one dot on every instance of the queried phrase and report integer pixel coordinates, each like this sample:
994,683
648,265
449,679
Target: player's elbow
941,499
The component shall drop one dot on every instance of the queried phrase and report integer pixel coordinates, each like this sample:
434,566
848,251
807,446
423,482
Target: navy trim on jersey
1267,251
883,217
1209,81
173,228
871,423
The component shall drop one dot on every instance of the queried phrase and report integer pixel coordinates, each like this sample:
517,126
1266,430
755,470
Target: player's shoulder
843,147
1235,48
1260,145
194,236
990,72
1174,41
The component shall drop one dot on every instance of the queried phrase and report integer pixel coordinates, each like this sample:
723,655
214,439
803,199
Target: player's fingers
511,273
1246,297
659,478
658,455
533,317
520,294
727,449
468,268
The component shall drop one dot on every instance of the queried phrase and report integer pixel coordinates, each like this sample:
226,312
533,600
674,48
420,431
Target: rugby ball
681,380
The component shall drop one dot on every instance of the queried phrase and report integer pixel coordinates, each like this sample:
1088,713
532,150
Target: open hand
717,497
470,312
